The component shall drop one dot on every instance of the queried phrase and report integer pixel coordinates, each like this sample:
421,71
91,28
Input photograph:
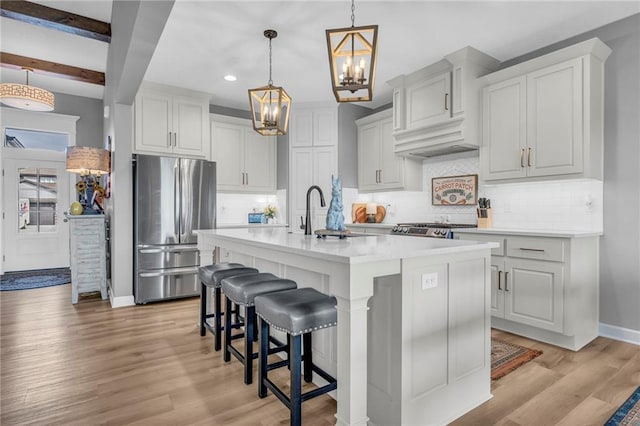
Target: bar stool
242,290
298,313
211,277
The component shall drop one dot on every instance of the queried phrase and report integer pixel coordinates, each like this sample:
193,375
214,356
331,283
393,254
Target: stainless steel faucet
307,224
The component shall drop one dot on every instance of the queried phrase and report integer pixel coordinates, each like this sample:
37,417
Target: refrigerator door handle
176,201
172,271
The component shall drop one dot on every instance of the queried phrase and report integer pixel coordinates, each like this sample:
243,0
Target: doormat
628,413
25,280
506,357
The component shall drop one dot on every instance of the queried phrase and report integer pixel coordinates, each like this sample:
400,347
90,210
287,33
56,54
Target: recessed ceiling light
230,77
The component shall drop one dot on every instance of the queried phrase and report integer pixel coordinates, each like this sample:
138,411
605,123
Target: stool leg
218,319
203,308
308,358
296,386
255,325
263,354
248,344
227,332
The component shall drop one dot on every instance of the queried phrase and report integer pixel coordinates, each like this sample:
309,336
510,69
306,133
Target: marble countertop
360,248
530,232
370,225
250,225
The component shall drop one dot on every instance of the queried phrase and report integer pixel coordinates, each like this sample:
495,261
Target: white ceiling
204,40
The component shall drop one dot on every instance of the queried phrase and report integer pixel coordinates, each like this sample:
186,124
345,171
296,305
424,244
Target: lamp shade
26,97
87,161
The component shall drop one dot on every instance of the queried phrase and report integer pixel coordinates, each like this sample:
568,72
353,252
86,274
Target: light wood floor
89,364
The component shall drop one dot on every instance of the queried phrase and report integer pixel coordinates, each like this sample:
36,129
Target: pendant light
270,105
352,60
26,97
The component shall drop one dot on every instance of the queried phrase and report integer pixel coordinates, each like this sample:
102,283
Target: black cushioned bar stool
211,276
242,290
298,313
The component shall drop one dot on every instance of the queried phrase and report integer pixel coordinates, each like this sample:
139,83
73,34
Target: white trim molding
122,301
620,333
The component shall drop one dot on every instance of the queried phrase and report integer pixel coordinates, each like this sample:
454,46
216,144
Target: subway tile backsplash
232,209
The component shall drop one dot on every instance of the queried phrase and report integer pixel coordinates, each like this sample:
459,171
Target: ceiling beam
55,19
9,60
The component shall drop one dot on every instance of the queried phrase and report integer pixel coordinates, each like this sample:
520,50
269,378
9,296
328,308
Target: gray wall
348,142
620,245
89,126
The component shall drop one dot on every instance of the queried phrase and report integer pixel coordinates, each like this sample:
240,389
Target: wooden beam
55,19
9,60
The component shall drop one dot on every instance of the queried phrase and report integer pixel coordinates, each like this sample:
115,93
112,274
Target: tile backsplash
566,204
232,208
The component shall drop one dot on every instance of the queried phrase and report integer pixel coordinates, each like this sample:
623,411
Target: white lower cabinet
544,288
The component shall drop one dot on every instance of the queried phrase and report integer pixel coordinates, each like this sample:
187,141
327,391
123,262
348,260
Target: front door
36,194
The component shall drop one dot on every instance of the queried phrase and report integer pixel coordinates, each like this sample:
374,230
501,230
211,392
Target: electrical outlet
429,280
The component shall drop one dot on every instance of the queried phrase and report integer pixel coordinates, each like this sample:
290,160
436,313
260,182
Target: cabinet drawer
536,248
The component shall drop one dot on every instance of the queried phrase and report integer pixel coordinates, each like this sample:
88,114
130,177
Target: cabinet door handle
446,102
380,174
529,156
530,249
243,178
169,140
499,280
521,157
247,177
506,282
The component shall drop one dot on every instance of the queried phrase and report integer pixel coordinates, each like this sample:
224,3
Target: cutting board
359,213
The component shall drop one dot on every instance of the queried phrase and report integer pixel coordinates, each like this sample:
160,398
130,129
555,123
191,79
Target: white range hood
436,110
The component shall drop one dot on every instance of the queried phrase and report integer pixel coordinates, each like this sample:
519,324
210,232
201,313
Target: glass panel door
37,200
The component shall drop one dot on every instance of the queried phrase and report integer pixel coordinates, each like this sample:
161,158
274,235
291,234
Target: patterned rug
25,280
628,413
506,357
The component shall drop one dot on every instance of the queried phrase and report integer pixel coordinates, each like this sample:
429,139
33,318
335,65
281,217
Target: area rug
628,413
506,357
25,280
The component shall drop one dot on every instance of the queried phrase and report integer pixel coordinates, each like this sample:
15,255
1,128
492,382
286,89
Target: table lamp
89,163
371,211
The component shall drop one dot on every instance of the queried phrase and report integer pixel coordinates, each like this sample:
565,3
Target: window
37,200
32,139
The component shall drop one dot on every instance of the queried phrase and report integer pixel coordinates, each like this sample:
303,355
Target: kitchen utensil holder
485,222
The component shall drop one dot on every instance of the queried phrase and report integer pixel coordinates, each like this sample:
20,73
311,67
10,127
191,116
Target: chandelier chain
270,80
353,13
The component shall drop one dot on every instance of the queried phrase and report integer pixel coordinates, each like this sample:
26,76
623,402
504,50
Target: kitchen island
412,344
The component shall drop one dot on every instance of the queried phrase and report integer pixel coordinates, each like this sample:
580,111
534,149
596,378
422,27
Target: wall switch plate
429,280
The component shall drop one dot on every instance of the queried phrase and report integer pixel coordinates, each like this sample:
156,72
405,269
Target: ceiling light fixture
353,79
270,105
230,77
26,97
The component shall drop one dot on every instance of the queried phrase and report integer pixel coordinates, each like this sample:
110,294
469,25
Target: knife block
485,222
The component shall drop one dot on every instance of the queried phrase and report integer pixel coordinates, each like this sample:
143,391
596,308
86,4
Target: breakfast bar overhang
412,344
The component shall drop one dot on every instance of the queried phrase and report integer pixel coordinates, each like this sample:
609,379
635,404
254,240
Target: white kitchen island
412,345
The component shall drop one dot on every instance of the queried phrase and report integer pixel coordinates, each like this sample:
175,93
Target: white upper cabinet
428,102
314,126
379,168
544,117
245,160
171,121
436,108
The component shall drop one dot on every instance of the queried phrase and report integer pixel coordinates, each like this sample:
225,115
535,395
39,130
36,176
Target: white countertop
250,225
352,250
370,225
530,232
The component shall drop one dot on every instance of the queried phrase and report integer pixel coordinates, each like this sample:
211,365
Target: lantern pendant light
352,60
270,105
26,97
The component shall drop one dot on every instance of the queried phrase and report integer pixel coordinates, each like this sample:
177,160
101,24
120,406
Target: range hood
438,139
436,109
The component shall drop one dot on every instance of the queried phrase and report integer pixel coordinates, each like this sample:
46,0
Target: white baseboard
619,333
122,301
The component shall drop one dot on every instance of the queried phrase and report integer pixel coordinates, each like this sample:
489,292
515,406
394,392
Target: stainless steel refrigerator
172,197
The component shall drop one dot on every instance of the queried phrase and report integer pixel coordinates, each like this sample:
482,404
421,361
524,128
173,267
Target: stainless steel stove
429,229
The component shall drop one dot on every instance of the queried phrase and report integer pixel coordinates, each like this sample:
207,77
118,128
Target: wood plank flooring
88,364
